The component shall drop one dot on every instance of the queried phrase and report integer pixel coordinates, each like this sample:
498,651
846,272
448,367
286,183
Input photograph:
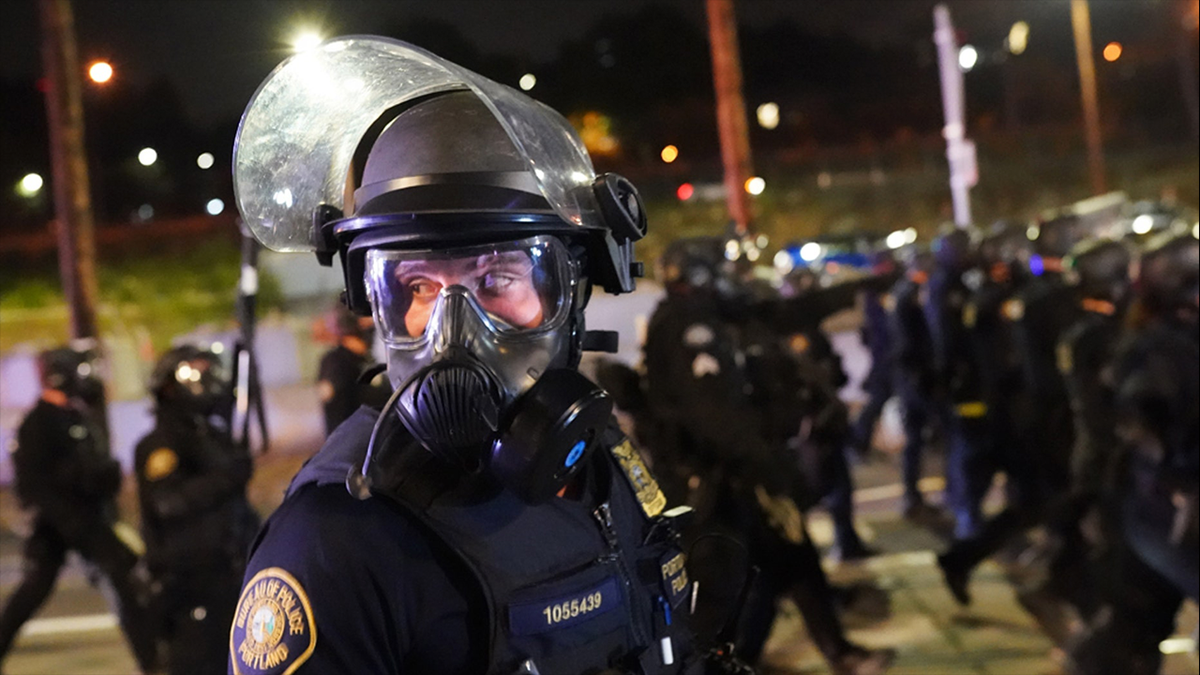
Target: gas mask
479,342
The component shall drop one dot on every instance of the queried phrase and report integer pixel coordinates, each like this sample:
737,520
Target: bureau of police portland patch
273,631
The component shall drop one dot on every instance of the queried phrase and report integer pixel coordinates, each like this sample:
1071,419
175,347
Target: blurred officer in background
492,519
64,473
957,385
877,337
1156,385
913,376
725,400
339,377
196,520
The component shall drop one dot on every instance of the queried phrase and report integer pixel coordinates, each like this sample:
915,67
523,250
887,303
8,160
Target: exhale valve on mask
540,444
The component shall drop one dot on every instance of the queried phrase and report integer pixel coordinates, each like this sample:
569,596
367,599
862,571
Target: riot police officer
196,521
877,337
1156,388
913,376
64,473
725,400
342,368
492,519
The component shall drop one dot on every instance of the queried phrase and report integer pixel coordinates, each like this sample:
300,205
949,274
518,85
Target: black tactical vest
572,587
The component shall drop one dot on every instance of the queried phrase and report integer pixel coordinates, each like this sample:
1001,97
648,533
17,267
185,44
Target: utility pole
731,110
1081,21
73,222
960,152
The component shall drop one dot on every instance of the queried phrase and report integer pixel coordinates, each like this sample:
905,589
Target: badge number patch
531,618
273,631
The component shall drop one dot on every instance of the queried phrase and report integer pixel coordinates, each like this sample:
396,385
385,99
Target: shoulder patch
273,631
1066,360
970,315
1013,310
698,335
649,495
160,464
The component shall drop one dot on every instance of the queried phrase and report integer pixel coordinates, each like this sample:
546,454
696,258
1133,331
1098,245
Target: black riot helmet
1005,242
693,264
72,370
952,249
1168,275
190,380
469,222
1100,269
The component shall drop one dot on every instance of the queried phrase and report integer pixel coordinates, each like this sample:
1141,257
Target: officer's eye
496,282
423,290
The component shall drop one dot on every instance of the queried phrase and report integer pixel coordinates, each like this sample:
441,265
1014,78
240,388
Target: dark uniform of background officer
64,473
724,403
492,520
339,375
196,521
1156,390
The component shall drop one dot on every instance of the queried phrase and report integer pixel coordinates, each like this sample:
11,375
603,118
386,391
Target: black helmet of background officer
695,266
447,192
952,249
1004,250
73,371
1099,268
1054,241
189,380
1168,276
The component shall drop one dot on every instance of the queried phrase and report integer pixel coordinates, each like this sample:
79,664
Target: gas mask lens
518,288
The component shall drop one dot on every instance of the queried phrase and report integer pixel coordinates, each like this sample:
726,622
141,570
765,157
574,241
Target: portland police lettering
273,629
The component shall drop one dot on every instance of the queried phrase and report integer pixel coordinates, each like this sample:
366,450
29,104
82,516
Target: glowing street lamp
669,154
768,115
1018,38
1112,51
147,156
968,56
100,72
755,185
205,160
30,185
528,81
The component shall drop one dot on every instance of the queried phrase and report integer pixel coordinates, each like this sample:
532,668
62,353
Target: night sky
217,51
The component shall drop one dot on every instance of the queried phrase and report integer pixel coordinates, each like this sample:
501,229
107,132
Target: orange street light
100,72
669,154
1112,51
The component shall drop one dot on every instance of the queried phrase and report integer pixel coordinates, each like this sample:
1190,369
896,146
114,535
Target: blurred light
784,262
1018,37
145,212
810,251
205,160
755,185
305,41
1179,645
910,235
147,156
1112,51
753,255
1196,230
967,58
184,372
824,180
761,241
732,250
528,81
1032,233
283,197
100,72
1036,265
218,348
685,192
214,207
768,115
1143,224
669,154
30,185
896,239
